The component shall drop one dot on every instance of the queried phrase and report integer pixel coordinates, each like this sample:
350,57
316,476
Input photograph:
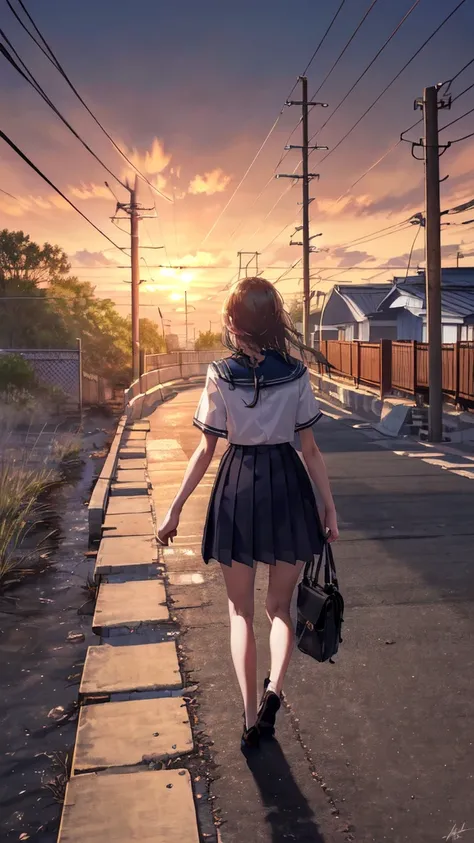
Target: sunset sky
190,91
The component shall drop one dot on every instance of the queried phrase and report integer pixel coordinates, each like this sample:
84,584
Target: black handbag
320,609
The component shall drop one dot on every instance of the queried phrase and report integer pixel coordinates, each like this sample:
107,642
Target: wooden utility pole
306,244
135,212
306,178
433,264
135,262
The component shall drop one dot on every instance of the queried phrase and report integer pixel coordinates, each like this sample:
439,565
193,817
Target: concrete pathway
378,747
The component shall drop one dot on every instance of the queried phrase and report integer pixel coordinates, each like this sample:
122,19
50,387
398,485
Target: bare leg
240,581
281,585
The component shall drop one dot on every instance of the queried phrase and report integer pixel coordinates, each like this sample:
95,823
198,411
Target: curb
133,721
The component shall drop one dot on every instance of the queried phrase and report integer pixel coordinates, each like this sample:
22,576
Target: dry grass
21,487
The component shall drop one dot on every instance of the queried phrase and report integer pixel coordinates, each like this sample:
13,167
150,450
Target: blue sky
197,87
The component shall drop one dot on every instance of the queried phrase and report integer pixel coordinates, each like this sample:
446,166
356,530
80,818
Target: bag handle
330,576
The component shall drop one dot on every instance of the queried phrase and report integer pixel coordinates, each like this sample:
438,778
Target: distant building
172,342
397,310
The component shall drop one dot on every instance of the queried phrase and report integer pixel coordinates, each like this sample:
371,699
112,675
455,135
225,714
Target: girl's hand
330,525
169,528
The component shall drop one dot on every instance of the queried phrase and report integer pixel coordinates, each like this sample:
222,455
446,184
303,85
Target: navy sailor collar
274,370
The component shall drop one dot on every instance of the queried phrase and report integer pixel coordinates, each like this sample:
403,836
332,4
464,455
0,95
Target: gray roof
365,297
458,300
450,276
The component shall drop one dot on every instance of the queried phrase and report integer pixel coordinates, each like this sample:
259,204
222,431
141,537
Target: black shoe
250,738
268,710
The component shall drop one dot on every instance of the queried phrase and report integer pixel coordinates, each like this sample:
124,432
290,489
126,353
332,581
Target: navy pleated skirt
262,508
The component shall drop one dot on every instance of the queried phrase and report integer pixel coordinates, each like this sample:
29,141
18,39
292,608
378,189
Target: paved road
378,747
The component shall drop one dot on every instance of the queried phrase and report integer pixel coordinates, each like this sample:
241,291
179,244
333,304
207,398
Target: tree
296,309
208,340
26,317
105,335
151,340
42,306
22,260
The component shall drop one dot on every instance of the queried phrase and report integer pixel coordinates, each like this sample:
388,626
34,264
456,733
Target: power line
466,113
367,68
382,48
453,79
285,153
8,194
411,250
272,129
48,181
28,76
465,137
394,79
63,73
347,45
462,92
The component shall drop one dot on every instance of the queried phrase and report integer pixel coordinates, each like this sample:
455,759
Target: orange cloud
215,181
152,162
24,205
91,191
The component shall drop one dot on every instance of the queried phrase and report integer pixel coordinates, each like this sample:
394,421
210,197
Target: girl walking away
262,507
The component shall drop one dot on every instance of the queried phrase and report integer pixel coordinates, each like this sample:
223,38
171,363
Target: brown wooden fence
402,366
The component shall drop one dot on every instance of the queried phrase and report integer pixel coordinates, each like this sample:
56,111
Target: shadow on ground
289,814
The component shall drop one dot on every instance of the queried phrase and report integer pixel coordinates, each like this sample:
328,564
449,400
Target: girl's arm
318,473
197,467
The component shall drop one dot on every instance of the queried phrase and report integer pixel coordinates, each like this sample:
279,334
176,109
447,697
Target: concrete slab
143,667
123,525
150,807
128,505
130,476
128,464
130,604
127,489
133,451
134,436
119,554
139,425
119,734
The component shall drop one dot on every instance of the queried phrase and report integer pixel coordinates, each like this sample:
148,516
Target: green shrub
16,373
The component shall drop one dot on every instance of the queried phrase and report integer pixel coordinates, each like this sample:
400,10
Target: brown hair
254,314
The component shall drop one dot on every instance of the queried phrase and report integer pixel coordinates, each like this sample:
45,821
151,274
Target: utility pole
305,156
306,178
458,256
162,323
135,212
252,259
430,106
135,262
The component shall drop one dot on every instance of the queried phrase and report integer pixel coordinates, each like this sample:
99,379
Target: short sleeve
211,414
308,412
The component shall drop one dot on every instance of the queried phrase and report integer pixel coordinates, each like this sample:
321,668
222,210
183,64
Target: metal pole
79,352
135,262
306,288
186,319
433,264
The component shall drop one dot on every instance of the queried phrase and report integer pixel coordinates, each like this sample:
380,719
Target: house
407,299
350,312
397,310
